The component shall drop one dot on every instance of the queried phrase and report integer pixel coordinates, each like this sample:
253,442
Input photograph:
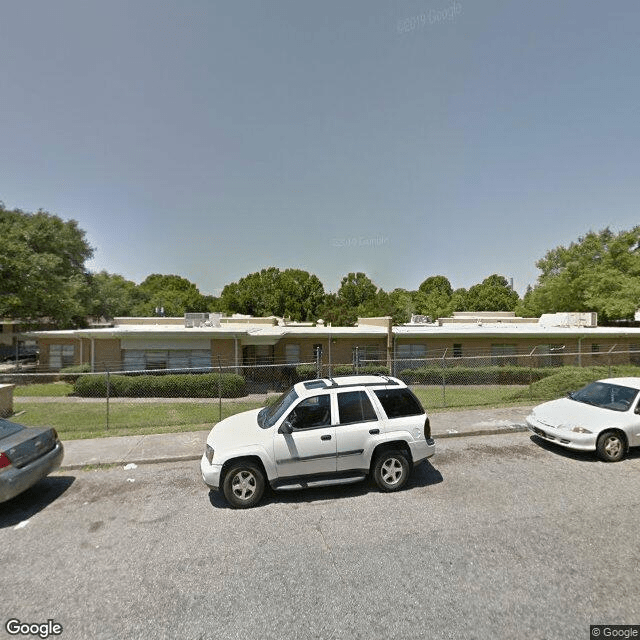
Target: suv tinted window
312,412
355,406
398,403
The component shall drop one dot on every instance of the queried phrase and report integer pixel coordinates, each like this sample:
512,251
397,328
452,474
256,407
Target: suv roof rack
329,382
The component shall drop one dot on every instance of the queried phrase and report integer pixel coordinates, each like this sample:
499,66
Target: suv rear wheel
391,470
243,485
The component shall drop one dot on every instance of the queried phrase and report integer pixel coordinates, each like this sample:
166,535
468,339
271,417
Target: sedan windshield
606,396
270,415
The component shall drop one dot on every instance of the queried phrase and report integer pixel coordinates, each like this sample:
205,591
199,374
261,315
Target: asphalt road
500,537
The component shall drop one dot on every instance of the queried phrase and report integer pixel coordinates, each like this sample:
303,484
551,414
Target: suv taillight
427,428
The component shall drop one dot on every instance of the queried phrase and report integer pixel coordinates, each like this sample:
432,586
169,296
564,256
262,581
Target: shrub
204,385
569,379
70,374
474,375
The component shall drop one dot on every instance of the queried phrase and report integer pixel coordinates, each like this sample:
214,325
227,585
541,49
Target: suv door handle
327,437
374,432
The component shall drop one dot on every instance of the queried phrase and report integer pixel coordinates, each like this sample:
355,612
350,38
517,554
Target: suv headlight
209,453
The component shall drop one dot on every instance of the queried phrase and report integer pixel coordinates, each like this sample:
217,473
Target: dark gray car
27,454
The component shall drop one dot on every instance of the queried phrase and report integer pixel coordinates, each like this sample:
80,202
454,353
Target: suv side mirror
286,427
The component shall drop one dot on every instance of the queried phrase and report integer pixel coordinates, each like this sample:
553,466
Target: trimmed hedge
569,379
474,375
204,385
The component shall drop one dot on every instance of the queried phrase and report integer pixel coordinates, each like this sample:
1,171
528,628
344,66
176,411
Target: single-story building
210,340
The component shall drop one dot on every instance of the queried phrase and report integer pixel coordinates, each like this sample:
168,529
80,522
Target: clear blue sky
212,139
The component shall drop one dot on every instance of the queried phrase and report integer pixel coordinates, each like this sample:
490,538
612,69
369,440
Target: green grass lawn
50,390
74,421
468,397
89,420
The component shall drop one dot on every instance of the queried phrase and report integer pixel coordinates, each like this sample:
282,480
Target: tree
433,297
600,272
356,289
291,293
492,294
42,268
174,294
112,295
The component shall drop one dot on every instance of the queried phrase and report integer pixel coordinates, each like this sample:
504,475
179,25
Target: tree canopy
600,272
42,268
290,293
173,294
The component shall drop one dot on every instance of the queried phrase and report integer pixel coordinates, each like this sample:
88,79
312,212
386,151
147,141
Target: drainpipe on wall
389,344
235,351
580,339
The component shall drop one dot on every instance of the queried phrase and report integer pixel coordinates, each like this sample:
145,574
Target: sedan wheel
243,485
391,470
611,446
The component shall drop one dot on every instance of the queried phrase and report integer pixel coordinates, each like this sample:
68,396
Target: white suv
321,432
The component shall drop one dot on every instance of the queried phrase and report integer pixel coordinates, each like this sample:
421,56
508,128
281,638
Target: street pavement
176,447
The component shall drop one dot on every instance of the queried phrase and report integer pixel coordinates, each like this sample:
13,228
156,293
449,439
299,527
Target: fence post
219,390
108,394
357,361
444,382
318,363
609,357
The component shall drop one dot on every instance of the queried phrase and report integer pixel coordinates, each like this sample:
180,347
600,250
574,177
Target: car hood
240,429
566,414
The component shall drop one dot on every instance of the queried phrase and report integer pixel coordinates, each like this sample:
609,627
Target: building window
411,352
500,355
367,354
292,353
61,356
457,350
257,354
155,359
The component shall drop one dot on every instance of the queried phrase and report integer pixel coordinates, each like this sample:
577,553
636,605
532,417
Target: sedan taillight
4,460
427,428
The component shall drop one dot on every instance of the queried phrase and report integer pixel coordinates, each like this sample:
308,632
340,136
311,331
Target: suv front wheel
243,485
391,470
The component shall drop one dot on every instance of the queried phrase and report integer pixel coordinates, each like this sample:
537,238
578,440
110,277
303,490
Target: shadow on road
423,475
33,500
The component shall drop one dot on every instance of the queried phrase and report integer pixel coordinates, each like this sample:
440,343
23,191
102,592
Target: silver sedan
27,454
603,417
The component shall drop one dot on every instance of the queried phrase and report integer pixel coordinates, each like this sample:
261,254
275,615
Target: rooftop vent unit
195,320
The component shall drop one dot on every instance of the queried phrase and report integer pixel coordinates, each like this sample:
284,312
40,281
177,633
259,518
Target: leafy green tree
600,272
357,289
403,306
290,293
492,294
42,268
174,294
112,295
433,297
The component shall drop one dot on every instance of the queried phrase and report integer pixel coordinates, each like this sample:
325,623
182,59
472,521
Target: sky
213,139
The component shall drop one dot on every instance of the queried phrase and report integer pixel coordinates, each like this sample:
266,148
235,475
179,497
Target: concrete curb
160,457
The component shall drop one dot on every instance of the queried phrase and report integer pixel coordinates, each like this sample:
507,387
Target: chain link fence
154,400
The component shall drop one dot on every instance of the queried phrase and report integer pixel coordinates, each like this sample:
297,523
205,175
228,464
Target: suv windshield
270,415
606,396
